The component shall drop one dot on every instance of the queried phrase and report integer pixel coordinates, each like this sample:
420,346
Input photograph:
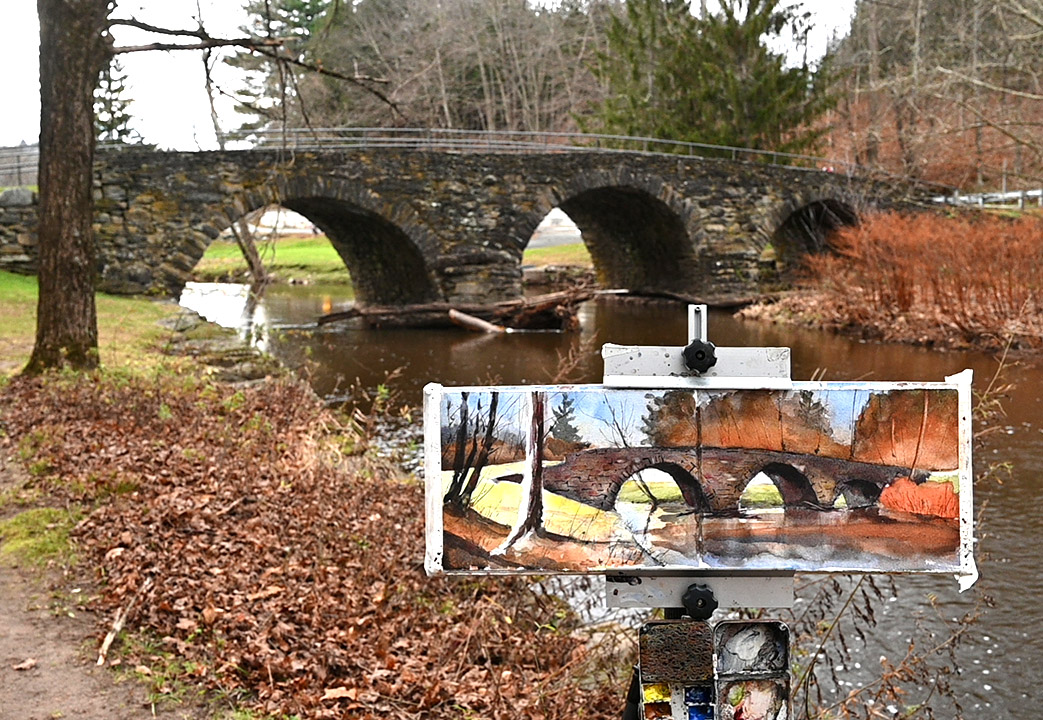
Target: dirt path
36,630
63,683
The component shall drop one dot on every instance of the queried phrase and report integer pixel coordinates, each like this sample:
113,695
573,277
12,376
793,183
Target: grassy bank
964,281
313,260
575,255
308,259
127,326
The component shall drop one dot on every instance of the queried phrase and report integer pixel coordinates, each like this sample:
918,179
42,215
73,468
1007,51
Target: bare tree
469,64
73,51
75,44
530,509
925,80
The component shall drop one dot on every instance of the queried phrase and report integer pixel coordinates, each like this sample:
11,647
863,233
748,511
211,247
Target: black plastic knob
699,601
700,356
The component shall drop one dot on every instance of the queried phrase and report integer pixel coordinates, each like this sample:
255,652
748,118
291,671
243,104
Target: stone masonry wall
415,226
18,231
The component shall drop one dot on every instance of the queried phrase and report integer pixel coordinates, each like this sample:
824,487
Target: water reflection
1011,539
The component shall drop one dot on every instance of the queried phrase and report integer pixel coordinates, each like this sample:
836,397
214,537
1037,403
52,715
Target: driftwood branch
553,311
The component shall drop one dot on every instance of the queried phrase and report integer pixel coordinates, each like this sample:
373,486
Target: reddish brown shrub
936,280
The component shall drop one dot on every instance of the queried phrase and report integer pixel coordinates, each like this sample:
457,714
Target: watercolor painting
829,477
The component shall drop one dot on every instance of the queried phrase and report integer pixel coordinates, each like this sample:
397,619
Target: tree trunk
483,456
459,455
530,509
247,243
72,55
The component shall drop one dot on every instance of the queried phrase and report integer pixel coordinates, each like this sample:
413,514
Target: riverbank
937,281
266,563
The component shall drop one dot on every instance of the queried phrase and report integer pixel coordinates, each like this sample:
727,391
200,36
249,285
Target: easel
688,669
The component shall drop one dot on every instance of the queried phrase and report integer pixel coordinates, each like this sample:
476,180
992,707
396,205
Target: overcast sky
170,106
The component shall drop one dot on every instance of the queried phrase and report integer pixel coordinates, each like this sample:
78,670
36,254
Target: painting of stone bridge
867,477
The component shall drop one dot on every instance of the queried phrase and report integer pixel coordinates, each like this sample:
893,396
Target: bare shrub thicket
933,279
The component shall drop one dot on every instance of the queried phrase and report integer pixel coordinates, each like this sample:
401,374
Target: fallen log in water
553,311
470,322
719,301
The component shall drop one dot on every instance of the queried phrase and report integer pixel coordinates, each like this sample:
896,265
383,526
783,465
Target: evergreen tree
713,79
111,107
562,426
268,85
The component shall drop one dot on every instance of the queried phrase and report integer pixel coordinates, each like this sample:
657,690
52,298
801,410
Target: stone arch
383,245
804,227
794,486
690,487
857,493
636,229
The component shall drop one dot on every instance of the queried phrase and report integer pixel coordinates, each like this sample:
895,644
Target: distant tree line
947,90
654,68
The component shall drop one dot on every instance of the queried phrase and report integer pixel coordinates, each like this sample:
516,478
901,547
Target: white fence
1019,199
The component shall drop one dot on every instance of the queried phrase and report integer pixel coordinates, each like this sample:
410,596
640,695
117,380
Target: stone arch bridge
419,225
712,479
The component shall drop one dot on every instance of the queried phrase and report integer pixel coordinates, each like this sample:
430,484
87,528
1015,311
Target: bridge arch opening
808,230
793,486
264,227
760,495
558,243
663,486
385,264
635,240
853,493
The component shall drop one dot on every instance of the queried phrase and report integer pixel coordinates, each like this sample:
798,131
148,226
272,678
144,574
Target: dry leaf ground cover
926,278
284,576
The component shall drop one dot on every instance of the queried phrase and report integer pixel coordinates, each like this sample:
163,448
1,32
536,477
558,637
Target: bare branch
253,44
357,80
1026,14
999,127
988,85
268,47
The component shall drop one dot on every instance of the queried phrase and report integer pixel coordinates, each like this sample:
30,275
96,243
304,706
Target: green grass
663,490
309,259
761,496
37,536
499,502
574,254
127,326
313,259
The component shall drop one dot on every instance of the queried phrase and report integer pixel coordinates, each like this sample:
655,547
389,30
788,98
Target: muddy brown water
1000,660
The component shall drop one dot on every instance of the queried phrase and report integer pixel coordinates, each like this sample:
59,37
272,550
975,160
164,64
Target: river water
999,660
